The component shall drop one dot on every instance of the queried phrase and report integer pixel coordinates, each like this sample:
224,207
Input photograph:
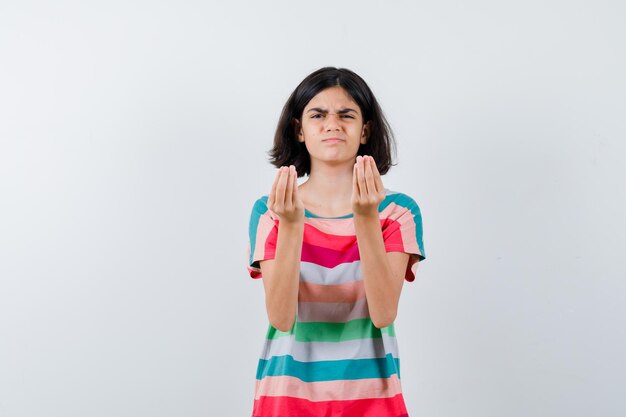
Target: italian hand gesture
284,199
367,187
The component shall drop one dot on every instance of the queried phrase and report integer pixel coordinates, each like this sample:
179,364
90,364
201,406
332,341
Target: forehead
333,98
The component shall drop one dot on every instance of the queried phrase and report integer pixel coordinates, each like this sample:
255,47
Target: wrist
366,217
291,224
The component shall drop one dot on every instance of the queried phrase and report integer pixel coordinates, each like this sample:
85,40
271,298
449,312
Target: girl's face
332,127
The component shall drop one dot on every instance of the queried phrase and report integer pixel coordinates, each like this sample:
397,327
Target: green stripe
332,332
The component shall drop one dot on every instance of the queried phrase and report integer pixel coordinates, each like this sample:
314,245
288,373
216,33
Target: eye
347,116
317,116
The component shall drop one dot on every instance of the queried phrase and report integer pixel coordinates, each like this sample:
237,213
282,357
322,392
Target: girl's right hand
284,199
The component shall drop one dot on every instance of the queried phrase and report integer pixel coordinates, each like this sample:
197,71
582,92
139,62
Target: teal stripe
259,208
347,369
314,331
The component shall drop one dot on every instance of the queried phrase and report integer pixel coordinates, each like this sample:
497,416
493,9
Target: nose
331,122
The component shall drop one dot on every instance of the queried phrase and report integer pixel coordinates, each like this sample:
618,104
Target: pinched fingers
281,185
365,174
379,182
374,182
284,200
368,173
367,189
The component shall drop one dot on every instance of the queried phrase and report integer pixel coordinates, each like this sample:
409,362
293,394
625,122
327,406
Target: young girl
333,254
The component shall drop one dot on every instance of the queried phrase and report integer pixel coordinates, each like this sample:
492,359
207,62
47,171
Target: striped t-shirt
333,361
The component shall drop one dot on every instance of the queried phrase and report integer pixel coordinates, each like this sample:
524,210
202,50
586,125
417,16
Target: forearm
378,278
282,283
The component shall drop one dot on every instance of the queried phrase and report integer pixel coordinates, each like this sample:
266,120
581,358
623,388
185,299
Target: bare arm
383,273
281,275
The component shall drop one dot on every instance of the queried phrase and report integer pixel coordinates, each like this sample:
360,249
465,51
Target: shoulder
260,205
260,209
396,201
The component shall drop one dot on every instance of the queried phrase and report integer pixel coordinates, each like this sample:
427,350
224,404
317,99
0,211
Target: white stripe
340,274
330,351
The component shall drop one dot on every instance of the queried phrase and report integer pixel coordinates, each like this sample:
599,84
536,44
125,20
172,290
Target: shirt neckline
307,213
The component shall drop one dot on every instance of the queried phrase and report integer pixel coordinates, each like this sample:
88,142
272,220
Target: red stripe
328,258
270,244
390,229
290,407
316,237
331,250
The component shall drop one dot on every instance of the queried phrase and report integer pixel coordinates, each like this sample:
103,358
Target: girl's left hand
367,187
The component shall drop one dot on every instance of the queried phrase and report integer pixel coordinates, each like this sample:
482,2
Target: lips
333,140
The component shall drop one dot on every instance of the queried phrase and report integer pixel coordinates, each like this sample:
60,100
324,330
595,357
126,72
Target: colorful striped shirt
333,361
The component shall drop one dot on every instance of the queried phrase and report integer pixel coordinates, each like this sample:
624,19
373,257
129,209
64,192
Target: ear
365,132
297,128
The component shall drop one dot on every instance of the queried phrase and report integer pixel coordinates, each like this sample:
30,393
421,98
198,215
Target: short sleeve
402,231
263,233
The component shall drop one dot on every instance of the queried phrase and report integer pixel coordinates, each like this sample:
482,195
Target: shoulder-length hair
287,150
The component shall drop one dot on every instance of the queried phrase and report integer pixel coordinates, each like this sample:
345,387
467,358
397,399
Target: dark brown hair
287,150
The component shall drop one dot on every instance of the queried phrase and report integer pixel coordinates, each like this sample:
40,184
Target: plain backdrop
133,144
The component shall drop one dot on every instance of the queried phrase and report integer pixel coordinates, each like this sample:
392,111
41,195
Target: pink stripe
401,236
333,312
332,241
349,292
327,249
388,210
356,389
409,240
328,258
265,245
337,227
344,227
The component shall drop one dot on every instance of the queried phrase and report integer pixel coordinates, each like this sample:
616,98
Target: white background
133,143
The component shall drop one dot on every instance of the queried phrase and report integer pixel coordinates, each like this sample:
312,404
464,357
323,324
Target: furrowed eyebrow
320,110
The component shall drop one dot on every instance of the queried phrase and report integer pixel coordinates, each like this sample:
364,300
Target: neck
329,186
